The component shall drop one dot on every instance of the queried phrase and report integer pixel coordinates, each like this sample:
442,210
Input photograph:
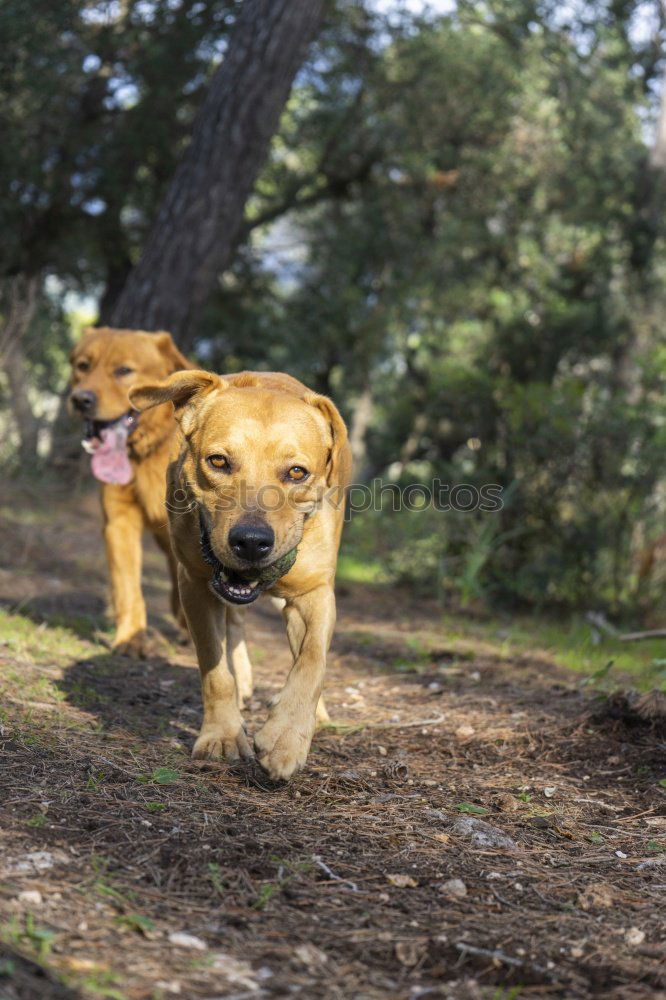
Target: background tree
198,224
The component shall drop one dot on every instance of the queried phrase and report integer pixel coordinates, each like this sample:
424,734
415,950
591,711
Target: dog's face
106,363
259,461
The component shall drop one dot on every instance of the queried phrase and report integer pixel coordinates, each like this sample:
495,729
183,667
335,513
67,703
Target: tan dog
256,504
130,457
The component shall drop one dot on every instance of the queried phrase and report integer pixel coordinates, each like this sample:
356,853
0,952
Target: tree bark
658,151
21,303
201,217
358,429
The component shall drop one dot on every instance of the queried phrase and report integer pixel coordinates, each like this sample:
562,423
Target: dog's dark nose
251,540
83,400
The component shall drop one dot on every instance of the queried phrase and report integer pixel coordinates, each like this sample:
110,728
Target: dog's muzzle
93,430
242,588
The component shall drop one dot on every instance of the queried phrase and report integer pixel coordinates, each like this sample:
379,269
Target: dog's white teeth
224,576
253,583
90,448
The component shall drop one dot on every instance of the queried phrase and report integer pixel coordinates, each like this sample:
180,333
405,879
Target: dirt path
369,876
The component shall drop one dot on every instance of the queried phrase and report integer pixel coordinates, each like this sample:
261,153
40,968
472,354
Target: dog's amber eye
218,461
82,366
297,473
123,370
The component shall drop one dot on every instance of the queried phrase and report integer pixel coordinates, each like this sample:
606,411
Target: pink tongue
110,463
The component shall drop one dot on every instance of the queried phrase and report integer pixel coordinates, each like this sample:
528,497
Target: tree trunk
21,303
201,217
358,429
658,151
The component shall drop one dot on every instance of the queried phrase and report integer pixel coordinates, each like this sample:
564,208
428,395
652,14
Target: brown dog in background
130,454
256,505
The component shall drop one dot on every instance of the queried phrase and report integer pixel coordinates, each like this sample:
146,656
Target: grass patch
571,644
29,935
354,570
47,641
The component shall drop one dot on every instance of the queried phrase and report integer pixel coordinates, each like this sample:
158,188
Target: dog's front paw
282,745
223,741
142,645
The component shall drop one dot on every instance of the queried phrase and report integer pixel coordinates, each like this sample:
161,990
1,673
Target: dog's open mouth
96,431
242,588
106,442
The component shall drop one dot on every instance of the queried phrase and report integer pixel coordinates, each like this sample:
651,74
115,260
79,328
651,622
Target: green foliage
470,808
136,922
28,934
161,776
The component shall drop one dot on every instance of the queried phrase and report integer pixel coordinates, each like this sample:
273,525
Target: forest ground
128,871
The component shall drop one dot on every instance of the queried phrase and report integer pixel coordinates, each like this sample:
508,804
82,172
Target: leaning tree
201,217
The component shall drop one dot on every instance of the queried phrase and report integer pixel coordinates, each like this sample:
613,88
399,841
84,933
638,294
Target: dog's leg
222,733
283,742
296,633
237,654
123,523
162,539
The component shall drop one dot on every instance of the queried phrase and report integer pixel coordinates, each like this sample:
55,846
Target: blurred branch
658,633
334,187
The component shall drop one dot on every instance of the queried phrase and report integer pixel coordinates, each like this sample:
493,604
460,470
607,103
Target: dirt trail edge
473,826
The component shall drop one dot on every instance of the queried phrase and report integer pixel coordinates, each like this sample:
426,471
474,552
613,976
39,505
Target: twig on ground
434,721
117,767
602,805
331,874
493,954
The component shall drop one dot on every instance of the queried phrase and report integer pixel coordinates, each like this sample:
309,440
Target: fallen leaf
164,776
410,953
84,964
443,838
599,895
183,940
469,807
311,956
454,887
402,881
505,802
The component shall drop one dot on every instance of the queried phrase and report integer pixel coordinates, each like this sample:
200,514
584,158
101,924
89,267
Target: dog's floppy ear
181,388
338,465
175,360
